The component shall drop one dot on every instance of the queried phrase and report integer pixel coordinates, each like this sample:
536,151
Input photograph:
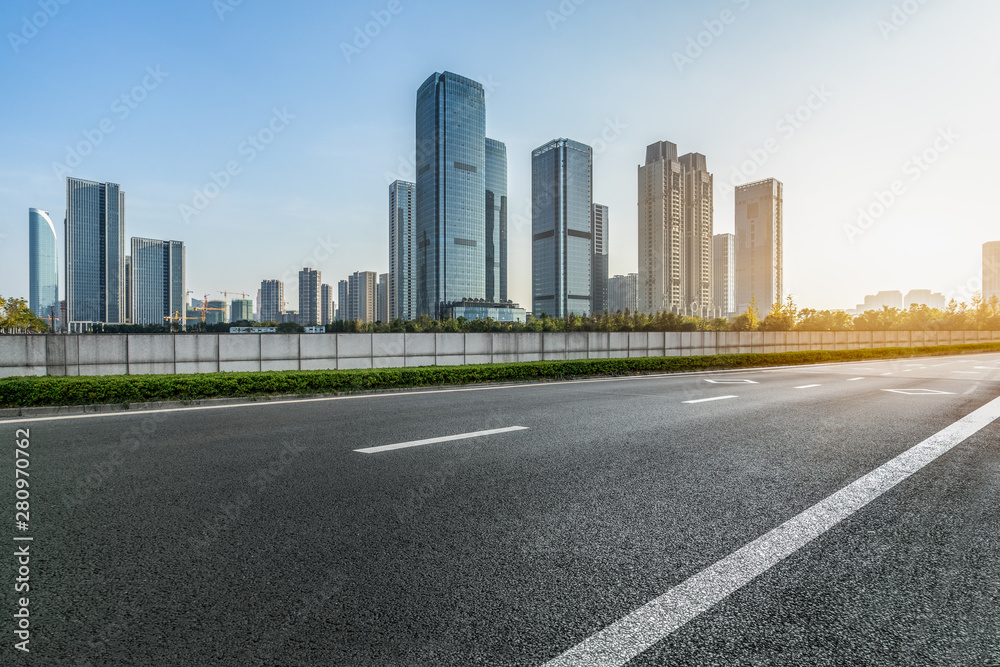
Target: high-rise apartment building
623,293
158,288
326,301
43,267
310,297
241,310
496,221
450,192
95,253
599,232
344,301
402,252
362,296
382,298
675,232
759,220
272,300
129,284
561,242
991,269
724,274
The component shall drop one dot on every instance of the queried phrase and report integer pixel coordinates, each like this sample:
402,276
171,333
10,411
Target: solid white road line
447,438
622,641
708,400
809,386
855,379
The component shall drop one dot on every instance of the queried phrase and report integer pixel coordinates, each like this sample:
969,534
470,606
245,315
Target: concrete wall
145,354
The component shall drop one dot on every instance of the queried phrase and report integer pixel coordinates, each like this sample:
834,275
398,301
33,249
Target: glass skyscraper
496,221
43,268
402,252
158,289
561,241
95,253
599,232
450,192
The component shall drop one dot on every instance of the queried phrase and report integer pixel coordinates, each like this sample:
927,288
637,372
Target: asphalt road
257,535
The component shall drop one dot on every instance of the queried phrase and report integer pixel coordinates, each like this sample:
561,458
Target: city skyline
835,108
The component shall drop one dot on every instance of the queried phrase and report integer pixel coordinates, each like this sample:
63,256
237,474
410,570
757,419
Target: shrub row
125,389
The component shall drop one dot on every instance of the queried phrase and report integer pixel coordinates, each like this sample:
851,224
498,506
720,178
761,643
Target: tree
782,317
15,314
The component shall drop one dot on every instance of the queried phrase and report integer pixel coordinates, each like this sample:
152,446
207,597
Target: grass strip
23,392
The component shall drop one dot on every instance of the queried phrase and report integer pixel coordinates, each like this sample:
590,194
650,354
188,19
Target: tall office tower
157,281
661,230
361,293
402,252
95,253
496,221
310,297
272,300
991,270
257,313
599,232
344,301
561,243
382,299
450,192
326,302
699,208
43,268
724,270
241,310
623,293
759,218
129,301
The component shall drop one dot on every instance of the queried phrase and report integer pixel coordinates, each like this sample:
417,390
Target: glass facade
402,252
43,268
496,220
450,192
157,280
562,243
95,253
599,231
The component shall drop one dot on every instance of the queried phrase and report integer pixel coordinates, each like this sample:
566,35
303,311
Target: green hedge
126,389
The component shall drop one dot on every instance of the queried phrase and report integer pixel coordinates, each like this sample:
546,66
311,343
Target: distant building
724,274
158,286
43,267
241,310
290,317
924,297
344,300
473,309
382,298
623,293
310,296
129,301
272,300
327,303
991,269
95,254
890,299
361,295
218,313
402,252
759,224
496,221
599,232
561,244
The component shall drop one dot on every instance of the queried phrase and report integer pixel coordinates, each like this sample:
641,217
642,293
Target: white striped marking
622,641
447,438
809,386
709,400
855,379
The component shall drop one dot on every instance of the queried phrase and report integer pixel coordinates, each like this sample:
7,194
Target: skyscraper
759,218
129,301
310,296
241,310
496,221
272,300
382,298
344,301
326,301
361,294
675,232
623,293
450,192
95,253
599,232
991,270
402,252
158,289
724,269
561,245
43,268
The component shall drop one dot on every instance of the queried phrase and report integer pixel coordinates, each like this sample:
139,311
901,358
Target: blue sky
886,81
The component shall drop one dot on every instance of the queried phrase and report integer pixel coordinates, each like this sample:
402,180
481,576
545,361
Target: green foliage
129,389
15,314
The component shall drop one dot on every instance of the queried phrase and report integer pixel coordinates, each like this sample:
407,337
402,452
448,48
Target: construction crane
204,309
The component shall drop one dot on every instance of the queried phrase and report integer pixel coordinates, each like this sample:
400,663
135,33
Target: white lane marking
625,639
919,392
809,386
855,379
709,400
886,373
731,381
987,368
967,372
431,441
